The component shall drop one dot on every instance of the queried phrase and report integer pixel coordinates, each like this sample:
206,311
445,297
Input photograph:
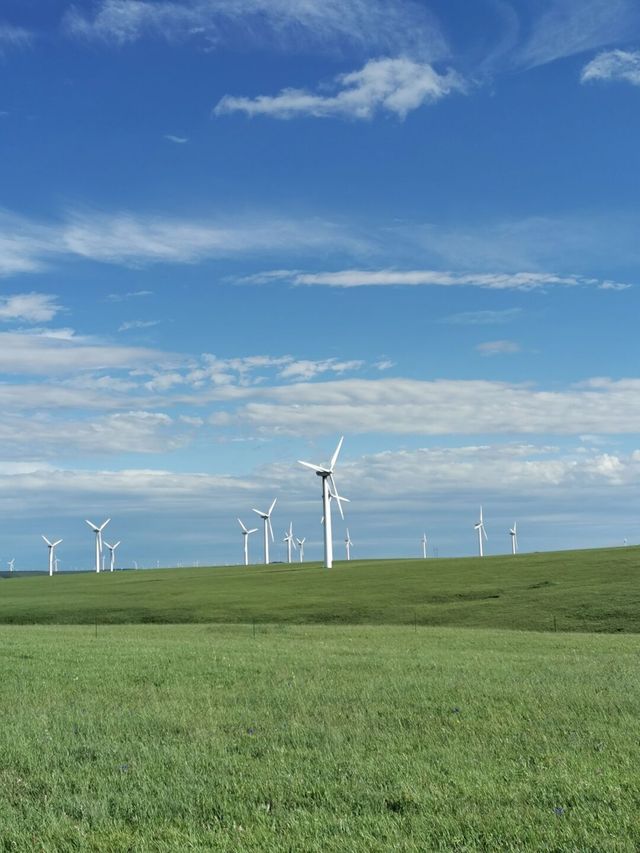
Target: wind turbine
245,536
268,529
301,547
329,490
11,564
288,538
55,565
51,546
479,526
513,532
98,531
424,541
112,551
348,543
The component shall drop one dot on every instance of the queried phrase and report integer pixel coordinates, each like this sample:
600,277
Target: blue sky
233,230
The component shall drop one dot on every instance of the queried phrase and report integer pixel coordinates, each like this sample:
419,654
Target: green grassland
317,738
581,590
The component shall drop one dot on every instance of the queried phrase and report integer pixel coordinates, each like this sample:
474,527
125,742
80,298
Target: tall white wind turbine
513,533
329,490
479,526
51,546
112,552
245,536
424,542
268,529
288,538
301,547
348,543
11,564
98,531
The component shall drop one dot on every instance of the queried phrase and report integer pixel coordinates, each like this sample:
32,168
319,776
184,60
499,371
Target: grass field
580,590
321,738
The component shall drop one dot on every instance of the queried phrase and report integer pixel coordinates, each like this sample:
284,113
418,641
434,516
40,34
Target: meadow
569,590
439,705
316,738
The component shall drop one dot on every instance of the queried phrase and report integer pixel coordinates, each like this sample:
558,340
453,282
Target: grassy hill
594,590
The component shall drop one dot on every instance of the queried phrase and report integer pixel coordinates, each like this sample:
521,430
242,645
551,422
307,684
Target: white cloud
614,65
483,318
502,347
569,27
388,85
439,407
13,37
306,369
123,297
52,354
178,140
289,24
137,324
29,307
436,278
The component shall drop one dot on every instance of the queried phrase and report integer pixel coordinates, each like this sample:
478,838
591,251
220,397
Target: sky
232,231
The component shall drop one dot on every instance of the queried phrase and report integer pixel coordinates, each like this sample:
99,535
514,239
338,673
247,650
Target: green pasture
588,591
317,738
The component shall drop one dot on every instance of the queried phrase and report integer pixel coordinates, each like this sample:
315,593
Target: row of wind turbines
100,544
482,534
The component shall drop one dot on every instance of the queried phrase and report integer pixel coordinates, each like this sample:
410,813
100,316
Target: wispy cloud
483,318
569,27
128,325
129,239
614,65
502,347
29,307
383,85
132,294
324,24
432,278
13,37
179,140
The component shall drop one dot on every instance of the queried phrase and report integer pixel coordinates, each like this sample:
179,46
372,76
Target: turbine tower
348,543
479,526
288,538
513,532
112,551
301,547
424,541
245,535
98,531
268,529
51,546
329,490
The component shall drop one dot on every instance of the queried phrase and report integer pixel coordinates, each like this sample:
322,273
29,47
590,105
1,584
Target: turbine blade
334,458
104,525
270,529
46,540
92,525
253,530
57,542
260,513
313,467
272,506
116,545
242,526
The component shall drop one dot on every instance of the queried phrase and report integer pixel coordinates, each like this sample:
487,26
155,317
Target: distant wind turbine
245,535
288,538
55,565
479,526
348,543
513,532
425,542
268,529
51,546
112,552
329,490
11,564
301,547
98,531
